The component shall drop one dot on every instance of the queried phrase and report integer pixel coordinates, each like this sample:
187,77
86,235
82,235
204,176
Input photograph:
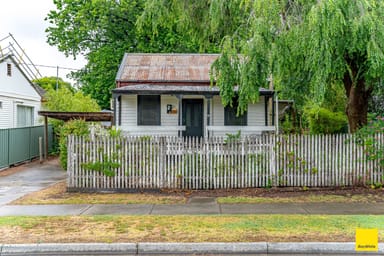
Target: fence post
70,169
272,145
275,157
162,159
41,149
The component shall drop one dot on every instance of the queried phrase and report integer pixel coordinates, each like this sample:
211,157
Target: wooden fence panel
126,163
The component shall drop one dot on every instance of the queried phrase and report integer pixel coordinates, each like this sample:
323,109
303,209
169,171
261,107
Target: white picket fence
177,163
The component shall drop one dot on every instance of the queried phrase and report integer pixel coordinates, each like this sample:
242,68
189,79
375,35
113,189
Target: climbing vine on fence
106,163
105,166
371,138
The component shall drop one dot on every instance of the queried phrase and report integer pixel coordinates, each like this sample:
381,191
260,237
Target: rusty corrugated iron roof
186,89
137,67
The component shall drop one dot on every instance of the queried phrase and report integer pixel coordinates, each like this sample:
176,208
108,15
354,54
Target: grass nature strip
364,198
229,228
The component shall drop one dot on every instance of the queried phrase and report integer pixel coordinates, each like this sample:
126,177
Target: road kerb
199,248
265,248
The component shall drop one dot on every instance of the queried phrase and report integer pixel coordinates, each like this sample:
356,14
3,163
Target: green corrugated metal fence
21,144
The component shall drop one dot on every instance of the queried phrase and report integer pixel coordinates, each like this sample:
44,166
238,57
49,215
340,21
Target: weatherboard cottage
171,94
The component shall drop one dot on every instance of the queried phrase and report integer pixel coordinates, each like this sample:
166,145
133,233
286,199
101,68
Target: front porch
187,111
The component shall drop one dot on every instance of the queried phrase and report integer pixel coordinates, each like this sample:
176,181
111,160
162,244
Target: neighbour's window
9,69
148,109
230,117
24,116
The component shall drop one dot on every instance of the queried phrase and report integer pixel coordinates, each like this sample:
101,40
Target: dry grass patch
310,198
57,194
248,228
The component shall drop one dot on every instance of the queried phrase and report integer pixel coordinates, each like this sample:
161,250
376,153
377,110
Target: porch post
266,98
180,113
114,110
209,99
273,98
119,101
277,112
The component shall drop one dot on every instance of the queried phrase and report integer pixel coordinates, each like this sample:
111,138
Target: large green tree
301,46
64,100
53,83
102,31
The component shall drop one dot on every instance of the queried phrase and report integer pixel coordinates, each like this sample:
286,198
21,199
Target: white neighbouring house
171,94
20,99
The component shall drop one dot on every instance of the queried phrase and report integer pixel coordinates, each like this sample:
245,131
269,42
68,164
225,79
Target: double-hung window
231,117
148,107
24,116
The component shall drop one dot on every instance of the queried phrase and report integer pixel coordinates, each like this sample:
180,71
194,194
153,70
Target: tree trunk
357,105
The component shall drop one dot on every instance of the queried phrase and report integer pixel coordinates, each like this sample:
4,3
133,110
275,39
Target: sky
24,19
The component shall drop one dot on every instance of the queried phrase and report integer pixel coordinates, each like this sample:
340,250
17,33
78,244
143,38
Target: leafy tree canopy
53,83
103,30
64,99
302,46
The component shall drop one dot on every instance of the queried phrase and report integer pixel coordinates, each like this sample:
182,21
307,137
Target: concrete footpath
33,177
196,206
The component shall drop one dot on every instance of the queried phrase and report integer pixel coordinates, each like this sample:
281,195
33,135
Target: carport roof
87,116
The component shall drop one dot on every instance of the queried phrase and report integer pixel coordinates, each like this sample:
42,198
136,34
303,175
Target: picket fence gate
103,163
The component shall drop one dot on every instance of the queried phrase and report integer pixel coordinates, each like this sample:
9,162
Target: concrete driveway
28,178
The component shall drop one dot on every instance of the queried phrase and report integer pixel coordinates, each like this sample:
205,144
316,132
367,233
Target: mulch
279,192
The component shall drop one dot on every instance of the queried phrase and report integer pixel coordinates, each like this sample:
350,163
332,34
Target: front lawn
57,194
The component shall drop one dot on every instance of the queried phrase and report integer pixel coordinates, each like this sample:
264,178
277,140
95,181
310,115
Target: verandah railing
124,163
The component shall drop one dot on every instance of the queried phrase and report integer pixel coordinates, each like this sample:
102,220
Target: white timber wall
128,110
16,90
256,113
169,119
255,116
169,122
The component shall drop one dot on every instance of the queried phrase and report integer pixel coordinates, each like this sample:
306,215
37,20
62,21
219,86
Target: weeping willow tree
303,46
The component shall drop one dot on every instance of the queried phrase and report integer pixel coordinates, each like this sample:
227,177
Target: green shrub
324,121
75,127
367,137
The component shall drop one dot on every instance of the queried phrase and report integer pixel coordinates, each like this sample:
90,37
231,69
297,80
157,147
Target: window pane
24,116
148,110
230,117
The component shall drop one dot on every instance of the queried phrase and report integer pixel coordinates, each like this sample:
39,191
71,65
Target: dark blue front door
193,117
